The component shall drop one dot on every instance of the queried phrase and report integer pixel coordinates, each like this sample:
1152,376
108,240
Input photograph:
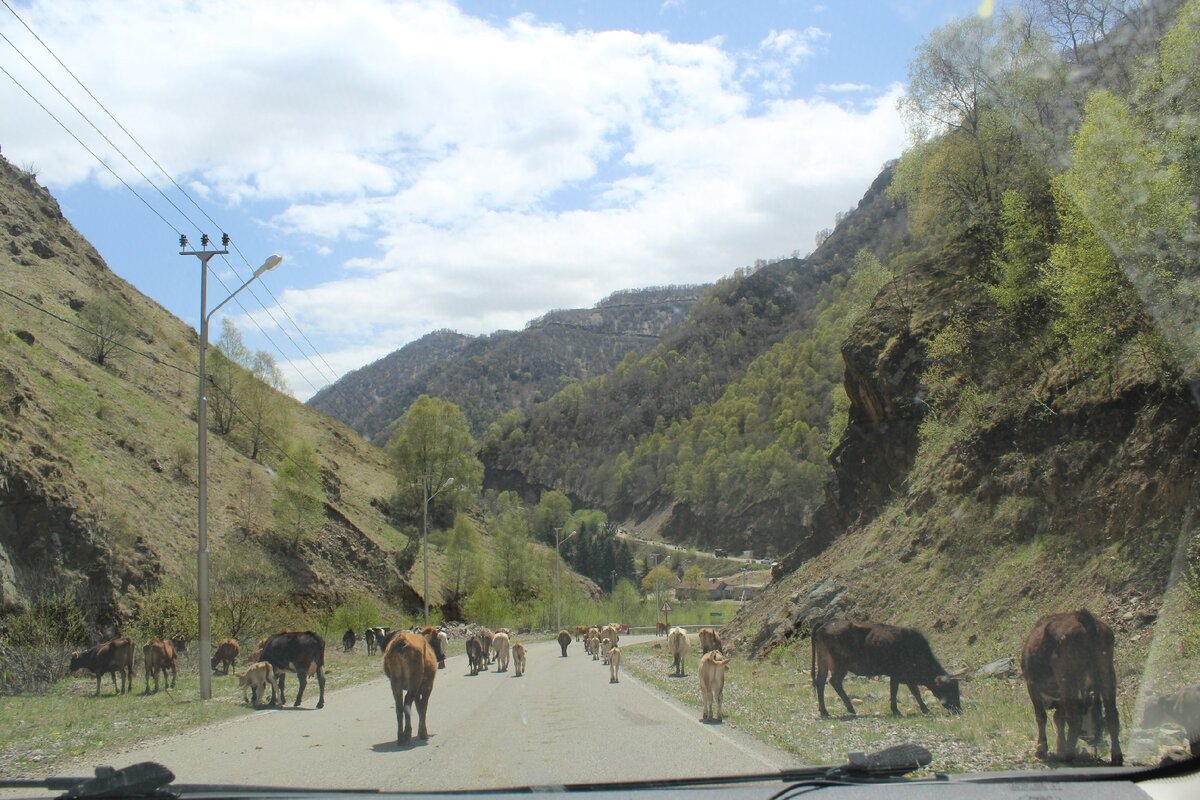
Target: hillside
98,480
489,375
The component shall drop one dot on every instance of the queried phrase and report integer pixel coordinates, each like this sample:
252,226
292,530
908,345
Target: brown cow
227,654
1067,662
1182,708
475,657
709,640
488,637
612,632
580,632
903,654
660,629
159,656
257,677
411,665
518,656
112,657
712,683
614,664
677,646
564,639
594,647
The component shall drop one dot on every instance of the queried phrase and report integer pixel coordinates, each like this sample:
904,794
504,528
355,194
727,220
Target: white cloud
838,88
488,171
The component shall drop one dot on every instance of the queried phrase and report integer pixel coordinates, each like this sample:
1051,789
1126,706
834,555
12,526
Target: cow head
76,661
945,689
435,642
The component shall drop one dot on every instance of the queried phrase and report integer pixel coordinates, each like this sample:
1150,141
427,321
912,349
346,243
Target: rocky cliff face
1067,492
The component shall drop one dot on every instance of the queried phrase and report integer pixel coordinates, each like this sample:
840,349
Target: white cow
614,664
712,683
502,648
677,646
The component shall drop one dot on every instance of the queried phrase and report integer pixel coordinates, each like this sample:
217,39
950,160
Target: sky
428,164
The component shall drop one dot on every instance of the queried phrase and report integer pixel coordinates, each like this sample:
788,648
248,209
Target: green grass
773,700
40,733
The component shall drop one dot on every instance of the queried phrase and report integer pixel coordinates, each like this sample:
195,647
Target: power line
151,357
70,133
332,376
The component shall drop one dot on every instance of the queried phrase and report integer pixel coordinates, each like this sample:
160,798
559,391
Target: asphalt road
563,722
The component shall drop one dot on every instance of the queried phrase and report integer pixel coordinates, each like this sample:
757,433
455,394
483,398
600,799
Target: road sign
666,607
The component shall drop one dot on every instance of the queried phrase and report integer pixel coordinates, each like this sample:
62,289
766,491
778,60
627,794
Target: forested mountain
1029,303
488,375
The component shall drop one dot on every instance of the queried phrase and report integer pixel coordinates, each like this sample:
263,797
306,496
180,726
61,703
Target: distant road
560,723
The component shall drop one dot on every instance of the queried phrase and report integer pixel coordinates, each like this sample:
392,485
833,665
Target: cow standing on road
564,639
518,656
869,649
300,652
1067,662
503,649
112,657
614,664
410,663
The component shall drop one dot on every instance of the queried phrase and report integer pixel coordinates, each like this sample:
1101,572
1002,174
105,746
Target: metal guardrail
646,629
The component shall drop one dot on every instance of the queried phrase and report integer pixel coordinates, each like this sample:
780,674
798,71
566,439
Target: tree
265,404
299,498
552,512
462,556
694,577
511,536
226,374
625,598
432,452
251,499
658,582
107,329
247,592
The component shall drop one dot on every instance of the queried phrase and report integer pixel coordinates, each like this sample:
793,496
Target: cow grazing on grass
348,640
410,664
614,664
475,654
1067,662
709,641
226,655
257,677
301,652
1181,708
712,683
564,639
112,657
870,649
518,657
159,656
677,646
503,649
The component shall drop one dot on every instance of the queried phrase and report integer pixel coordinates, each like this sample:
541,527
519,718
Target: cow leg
280,676
819,683
1039,716
422,705
113,675
1114,728
720,692
916,693
174,674
1061,726
893,687
401,736
835,680
321,686
302,680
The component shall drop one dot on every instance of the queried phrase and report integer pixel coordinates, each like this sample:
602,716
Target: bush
36,644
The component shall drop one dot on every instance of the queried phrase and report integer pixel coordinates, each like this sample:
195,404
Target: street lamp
425,533
202,456
557,586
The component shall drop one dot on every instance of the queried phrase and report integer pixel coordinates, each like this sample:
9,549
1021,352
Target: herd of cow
1067,663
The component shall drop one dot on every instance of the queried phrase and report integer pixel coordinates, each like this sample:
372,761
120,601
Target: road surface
563,722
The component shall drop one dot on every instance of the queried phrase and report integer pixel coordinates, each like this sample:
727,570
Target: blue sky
423,164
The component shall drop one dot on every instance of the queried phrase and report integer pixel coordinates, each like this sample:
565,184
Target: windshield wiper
144,780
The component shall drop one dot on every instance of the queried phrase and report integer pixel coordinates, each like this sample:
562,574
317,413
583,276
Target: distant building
709,590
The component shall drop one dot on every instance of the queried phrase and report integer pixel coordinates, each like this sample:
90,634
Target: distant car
720,553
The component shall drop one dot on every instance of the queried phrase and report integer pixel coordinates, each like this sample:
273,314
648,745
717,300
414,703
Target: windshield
430,395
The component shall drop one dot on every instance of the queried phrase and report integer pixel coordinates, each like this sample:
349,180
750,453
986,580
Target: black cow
873,649
383,636
1182,708
112,657
300,652
475,657
369,638
1067,662
348,640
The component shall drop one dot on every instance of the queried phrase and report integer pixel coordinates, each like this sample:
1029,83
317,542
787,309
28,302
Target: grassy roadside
38,733
773,700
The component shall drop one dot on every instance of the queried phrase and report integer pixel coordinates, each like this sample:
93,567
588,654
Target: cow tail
812,640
